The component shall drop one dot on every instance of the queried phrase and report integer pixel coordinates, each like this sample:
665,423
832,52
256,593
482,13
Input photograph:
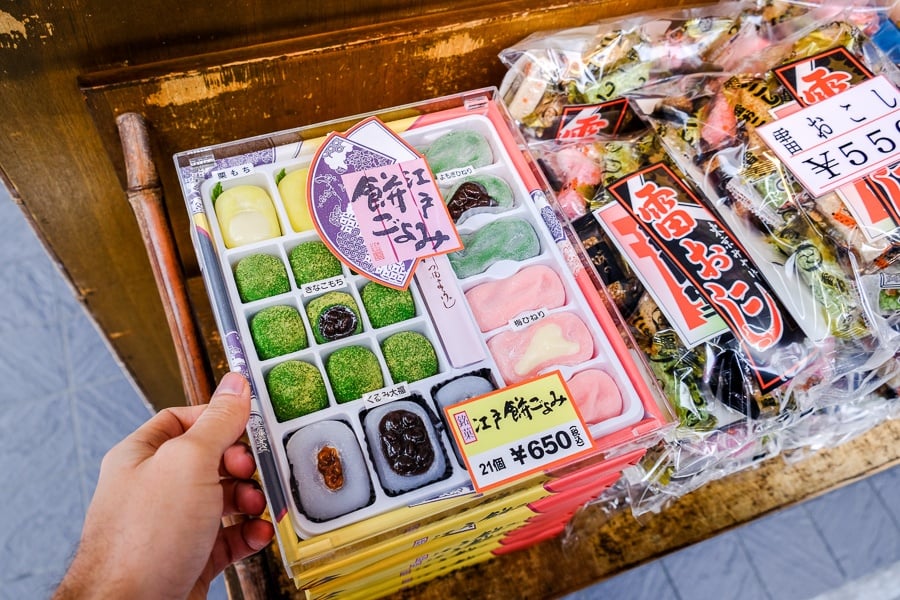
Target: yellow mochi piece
292,188
246,215
549,340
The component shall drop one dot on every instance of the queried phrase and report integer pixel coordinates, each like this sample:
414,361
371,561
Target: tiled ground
65,401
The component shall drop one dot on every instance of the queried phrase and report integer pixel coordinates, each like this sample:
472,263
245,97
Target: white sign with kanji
840,139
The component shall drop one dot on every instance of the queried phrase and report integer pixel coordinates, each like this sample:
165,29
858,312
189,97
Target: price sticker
515,431
840,139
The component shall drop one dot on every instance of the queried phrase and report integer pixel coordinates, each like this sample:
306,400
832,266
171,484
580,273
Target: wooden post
145,196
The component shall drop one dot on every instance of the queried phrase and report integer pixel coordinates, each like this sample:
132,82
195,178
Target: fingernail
232,383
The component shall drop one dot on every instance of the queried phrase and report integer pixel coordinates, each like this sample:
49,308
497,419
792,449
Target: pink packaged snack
494,303
559,339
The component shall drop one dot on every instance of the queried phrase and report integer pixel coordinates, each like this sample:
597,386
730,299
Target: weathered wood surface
205,72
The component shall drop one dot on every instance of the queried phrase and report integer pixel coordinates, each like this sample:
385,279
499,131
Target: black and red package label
701,250
815,78
580,121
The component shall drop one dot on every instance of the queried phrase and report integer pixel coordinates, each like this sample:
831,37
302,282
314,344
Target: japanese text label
376,205
518,430
693,318
399,211
839,139
232,172
589,120
713,262
385,395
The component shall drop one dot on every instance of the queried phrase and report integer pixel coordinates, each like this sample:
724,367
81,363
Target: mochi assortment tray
350,376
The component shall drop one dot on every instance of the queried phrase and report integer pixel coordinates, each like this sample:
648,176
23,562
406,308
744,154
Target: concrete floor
66,401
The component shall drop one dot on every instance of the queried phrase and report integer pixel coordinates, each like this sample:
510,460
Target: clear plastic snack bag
552,71
811,249
835,282
729,385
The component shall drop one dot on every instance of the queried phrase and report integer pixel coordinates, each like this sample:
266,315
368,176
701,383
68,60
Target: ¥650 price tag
841,139
519,430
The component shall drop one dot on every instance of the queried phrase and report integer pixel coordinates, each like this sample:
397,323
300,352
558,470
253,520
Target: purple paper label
377,214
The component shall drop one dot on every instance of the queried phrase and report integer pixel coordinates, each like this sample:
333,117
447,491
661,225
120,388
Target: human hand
154,527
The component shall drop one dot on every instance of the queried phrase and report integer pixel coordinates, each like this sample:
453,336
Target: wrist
92,577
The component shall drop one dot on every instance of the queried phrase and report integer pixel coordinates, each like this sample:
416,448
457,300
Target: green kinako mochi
409,356
277,330
353,371
313,261
259,276
296,388
386,306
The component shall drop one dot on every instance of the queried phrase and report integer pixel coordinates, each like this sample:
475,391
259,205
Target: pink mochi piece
557,340
596,394
496,302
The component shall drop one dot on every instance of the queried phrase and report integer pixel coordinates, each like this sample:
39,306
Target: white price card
840,139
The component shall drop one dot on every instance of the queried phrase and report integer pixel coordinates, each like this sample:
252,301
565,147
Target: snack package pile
754,262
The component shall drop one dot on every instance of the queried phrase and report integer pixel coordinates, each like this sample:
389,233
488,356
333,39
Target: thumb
224,420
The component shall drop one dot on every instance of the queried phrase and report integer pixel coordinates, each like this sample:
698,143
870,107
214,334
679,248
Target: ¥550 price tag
841,139
519,430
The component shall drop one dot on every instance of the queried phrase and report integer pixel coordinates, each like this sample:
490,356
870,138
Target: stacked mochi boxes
354,379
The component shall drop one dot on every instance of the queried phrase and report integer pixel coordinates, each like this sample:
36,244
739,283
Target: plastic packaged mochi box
350,376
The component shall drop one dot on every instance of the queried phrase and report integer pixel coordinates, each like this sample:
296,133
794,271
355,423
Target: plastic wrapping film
727,386
699,82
